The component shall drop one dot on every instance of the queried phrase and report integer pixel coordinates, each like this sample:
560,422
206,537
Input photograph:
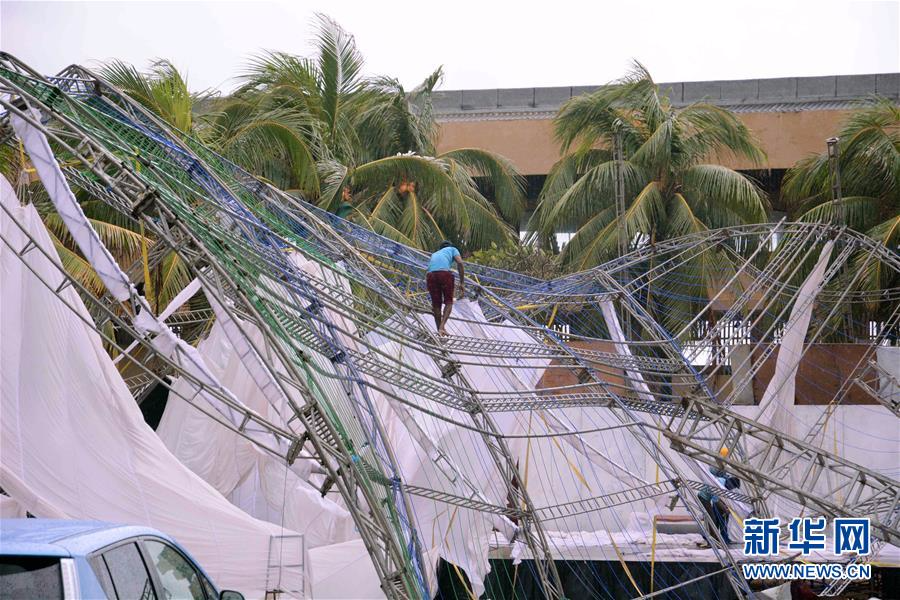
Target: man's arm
462,275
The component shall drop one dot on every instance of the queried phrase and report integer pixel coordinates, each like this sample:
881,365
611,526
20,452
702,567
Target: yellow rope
552,316
465,585
569,462
624,564
23,161
529,306
148,288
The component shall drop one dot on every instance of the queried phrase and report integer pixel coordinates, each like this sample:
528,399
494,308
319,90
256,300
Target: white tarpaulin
790,351
73,441
11,509
177,302
344,572
258,482
430,453
459,535
634,379
163,339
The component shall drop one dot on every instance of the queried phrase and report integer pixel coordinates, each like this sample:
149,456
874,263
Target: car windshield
30,577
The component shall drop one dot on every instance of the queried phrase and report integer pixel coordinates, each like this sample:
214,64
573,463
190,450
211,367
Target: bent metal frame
233,231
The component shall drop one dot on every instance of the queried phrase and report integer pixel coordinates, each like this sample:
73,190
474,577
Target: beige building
791,117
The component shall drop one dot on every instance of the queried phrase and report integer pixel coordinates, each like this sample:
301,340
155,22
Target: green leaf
507,185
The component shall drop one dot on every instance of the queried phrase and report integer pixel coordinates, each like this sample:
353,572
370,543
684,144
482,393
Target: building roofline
783,94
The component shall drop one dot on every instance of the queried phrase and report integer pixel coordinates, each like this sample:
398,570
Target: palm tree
869,165
355,145
374,148
119,233
162,89
671,188
271,142
165,93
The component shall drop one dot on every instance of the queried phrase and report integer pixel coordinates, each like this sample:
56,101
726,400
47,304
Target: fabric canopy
73,442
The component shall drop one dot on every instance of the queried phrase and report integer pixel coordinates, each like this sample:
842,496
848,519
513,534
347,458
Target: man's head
445,244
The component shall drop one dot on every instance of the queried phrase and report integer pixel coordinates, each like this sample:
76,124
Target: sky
481,44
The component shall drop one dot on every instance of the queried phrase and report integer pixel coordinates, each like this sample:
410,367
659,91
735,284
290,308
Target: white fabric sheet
783,384
258,482
459,535
11,509
74,444
162,338
634,379
177,302
344,572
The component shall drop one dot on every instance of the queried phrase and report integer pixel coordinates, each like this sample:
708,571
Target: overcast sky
482,44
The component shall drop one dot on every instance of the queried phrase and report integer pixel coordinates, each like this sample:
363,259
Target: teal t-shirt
442,260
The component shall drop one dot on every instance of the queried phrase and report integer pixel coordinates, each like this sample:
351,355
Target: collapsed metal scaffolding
668,389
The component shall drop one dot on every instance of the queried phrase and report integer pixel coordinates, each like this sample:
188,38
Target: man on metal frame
711,499
439,281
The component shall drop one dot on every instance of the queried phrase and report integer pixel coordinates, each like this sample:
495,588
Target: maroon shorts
440,286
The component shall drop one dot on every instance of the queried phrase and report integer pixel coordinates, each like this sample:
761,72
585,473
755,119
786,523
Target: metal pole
834,171
619,156
621,232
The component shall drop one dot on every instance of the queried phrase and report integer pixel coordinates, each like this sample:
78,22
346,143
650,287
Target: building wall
786,137
527,143
791,116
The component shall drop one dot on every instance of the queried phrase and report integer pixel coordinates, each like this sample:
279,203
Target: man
712,501
440,283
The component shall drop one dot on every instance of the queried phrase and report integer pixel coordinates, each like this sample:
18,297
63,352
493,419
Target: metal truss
235,235
873,381
124,189
147,378
865,492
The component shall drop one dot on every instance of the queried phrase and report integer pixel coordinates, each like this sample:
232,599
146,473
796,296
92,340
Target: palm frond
127,78
593,243
123,243
874,274
484,225
507,184
888,233
681,219
172,276
639,219
857,212
712,188
591,192
563,175
335,178
712,131
632,105
339,65
276,143
78,267
163,90
869,166
655,153
426,171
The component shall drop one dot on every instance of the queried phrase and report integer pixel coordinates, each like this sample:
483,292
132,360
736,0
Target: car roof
58,537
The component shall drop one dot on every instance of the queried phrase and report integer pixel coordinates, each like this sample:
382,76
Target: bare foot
442,331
